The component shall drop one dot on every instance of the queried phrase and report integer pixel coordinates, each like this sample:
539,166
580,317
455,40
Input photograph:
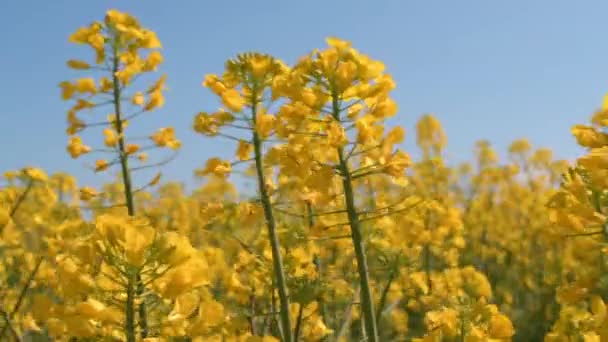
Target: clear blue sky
495,70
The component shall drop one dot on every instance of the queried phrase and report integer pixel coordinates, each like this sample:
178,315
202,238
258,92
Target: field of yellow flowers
346,239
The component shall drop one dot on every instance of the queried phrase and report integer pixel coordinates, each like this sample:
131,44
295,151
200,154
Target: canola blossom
345,238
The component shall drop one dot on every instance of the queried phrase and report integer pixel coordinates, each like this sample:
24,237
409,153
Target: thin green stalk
18,202
384,296
28,282
130,312
126,177
347,316
318,265
299,322
8,325
272,231
124,160
357,237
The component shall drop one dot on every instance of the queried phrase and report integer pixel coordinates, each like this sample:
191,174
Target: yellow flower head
76,148
165,137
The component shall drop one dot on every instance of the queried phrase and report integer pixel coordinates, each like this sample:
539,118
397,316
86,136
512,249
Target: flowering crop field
346,237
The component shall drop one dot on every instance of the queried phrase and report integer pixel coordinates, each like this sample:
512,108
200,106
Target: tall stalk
367,303
272,230
126,178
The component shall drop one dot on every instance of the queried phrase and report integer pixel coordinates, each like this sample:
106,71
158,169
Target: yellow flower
158,86
131,149
264,124
76,148
101,165
154,59
397,164
520,146
185,305
598,308
105,85
589,137
67,90
114,16
216,166
165,137
336,135
156,100
244,150
501,327
213,82
150,40
75,125
211,313
233,100
384,109
111,138
91,308
76,64
86,85
29,323
345,75
137,240
260,65
36,174
338,43
209,124
138,99
87,193
127,73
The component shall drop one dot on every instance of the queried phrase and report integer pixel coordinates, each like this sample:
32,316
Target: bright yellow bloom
154,59
75,125
217,167
101,165
86,85
233,100
264,124
336,135
67,90
589,137
213,82
156,100
165,137
76,148
501,327
36,174
131,148
158,86
138,99
87,193
111,138
244,150
79,65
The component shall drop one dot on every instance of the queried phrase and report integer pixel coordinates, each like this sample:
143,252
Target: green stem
384,296
357,237
319,267
427,254
128,190
8,325
277,260
299,322
130,311
18,203
28,283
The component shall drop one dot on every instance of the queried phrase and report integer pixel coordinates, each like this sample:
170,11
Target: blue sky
496,70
